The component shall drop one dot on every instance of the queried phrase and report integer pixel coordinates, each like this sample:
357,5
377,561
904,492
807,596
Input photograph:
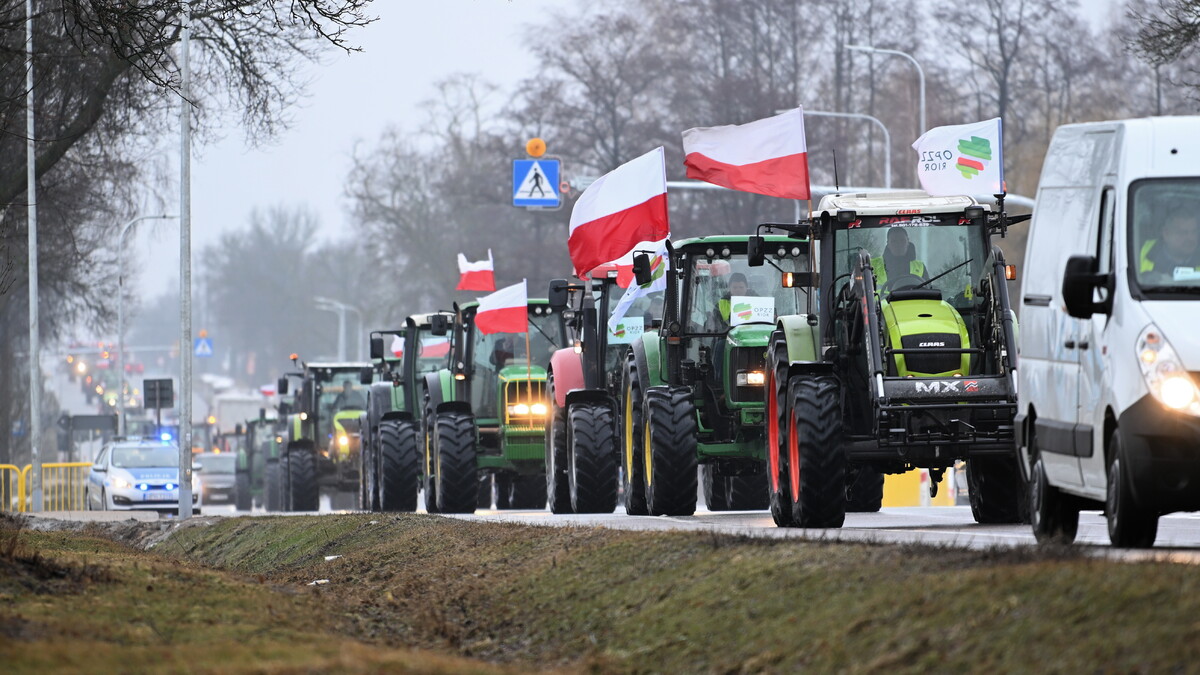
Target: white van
1109,410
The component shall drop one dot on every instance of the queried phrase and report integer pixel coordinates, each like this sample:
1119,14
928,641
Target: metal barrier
12,488
64,486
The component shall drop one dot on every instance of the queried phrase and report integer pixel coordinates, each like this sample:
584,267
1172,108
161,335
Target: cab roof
475,303
900,202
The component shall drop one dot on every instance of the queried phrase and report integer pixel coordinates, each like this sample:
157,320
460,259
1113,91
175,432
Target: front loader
909,363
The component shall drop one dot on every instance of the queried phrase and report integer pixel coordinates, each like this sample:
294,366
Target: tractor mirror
237,429
846,216
641,269
754,251
377,347
557,296
282,386
1079,283
366,375
439,324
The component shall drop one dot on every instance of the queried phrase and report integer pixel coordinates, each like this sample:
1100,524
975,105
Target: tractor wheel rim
629,434
773,432
793,457
647,452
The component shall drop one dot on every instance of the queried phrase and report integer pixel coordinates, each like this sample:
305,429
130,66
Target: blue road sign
536,182
203,347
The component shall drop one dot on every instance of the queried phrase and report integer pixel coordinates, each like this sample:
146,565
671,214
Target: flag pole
528,363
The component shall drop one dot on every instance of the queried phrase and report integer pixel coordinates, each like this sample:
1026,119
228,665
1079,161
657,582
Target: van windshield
1164,222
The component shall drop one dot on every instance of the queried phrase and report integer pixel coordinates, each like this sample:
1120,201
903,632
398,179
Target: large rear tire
669,451
994,487
632,478
272,490
865,493
558,488
1130,525
816,460
454,444
303,492
779,495
716,488
430,461
243,500
368,466
748,492
1053,515
398,466
592,470
528,492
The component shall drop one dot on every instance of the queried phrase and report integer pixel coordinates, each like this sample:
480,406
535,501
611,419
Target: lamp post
887,138
920,75
331,305
121,316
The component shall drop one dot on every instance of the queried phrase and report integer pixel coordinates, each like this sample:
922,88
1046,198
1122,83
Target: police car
136,474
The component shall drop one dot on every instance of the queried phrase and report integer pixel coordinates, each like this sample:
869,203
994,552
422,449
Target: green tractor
256,448
391,424
910,362
485,415
582,453
693,394
321,437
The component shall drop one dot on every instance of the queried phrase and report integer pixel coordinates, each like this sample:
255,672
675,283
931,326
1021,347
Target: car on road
136,474
215,477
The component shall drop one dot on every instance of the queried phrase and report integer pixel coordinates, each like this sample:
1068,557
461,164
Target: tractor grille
935,362
529,393
747,360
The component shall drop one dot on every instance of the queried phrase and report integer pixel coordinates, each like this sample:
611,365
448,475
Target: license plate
161,496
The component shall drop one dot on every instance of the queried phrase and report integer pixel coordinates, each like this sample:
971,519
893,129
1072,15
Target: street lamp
121,316
331,305
887,138
920,74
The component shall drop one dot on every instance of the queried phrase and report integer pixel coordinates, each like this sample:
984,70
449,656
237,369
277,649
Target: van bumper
1163,451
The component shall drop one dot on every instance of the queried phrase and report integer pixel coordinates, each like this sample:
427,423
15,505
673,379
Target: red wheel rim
793,457
773,432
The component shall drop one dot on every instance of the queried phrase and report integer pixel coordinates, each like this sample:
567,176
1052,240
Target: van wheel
1054,516
1129,525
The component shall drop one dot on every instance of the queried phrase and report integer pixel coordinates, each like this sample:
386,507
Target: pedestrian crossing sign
536,182
203,347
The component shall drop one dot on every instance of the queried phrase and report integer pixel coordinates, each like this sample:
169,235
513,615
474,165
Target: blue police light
170,486
166,436
143,487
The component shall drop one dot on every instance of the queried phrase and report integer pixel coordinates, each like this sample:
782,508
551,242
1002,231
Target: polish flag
397,346
766,157
505,311
434,347
475,276
623,207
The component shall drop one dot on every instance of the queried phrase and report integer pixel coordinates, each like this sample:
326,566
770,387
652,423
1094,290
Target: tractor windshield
434,350
943,252
491,353
642,313
340,391
722,290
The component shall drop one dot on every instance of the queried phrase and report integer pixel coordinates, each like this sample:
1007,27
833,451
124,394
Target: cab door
1094,371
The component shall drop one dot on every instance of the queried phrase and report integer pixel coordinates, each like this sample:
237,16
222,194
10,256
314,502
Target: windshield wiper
552,342
965,262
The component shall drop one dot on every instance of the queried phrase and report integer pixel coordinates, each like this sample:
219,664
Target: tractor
693,393
485,415
582,453
321,437
909,363
391,424
254,443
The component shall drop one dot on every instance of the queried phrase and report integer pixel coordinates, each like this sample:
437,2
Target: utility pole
35,350
185,270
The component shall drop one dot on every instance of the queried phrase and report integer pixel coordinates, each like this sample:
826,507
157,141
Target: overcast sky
352,98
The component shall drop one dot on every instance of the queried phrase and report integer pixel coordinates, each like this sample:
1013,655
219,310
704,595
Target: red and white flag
623,207
766,157
397,346
505,311
434,347
476,276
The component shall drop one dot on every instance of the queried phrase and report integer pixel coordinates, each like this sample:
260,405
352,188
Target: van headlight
1165,377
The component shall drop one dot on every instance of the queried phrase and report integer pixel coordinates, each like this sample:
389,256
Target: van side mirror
754,251
282,386
1080,282
377,347
439,325
366,375
641,269
557,295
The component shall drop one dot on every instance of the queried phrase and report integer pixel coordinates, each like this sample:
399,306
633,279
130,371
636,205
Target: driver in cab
737,286
1177,255
899,259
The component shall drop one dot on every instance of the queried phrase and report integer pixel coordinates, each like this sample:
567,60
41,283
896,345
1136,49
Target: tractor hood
750,335
522,372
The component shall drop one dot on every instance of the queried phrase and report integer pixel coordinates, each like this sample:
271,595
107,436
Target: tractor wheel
669,451
303,491
398,466
528,492
865,493
1054,516
430,454
455,471
632,478
1130,525
242,498
815,458
779,495
748,493
716,489
994,486
271,486
592,459
504,491
558,488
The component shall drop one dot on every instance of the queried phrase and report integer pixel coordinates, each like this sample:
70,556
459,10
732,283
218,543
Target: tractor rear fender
648,352
802,339
567,367
439,387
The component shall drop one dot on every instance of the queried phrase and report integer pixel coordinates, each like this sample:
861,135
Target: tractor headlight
518,409
344,440
753,378
1164,374
538,408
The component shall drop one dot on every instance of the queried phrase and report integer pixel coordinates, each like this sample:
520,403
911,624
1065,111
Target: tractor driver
351,398
1179,248
899,258
737,286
